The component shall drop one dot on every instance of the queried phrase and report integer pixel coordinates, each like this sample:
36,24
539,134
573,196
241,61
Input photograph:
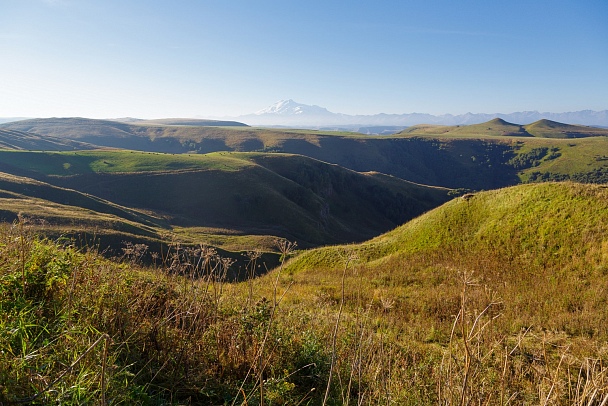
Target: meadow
492,298
270,278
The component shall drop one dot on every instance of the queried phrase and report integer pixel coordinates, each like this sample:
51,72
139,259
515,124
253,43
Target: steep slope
545,222
537,251
451,157
513,280
12,139
330,205
261,194
59,211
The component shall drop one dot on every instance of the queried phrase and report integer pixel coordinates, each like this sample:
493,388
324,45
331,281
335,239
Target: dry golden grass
513,320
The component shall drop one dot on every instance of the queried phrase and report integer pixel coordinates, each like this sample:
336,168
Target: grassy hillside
192,122
282,195
63,213
499,127
113,161
232,193
87,220
26,188
552,129
527,266
483,156
493,128
493,298
19,140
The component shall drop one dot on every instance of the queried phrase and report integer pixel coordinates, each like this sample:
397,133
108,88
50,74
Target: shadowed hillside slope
482,156
285,195
12,139
262,194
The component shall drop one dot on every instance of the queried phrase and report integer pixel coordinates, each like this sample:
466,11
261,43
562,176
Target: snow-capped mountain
293,114
291,108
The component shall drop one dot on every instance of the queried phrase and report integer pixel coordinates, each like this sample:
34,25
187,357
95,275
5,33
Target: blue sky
187,58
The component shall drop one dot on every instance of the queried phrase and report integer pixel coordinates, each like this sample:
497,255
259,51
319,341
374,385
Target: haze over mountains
291,113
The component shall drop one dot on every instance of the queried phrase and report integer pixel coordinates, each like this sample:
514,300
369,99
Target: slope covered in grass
248,194
282,195
528,267
112,161
499,127
553,129
495,298
17,187
541,247
493,128
19,140
483,156
539,221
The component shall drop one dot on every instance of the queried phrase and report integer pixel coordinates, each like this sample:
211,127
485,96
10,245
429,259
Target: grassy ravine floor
472,303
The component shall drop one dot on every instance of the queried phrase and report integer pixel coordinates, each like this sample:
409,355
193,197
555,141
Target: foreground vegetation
493,298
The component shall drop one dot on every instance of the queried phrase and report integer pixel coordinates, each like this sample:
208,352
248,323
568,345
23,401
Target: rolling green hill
552,129
495,127
527,264
499,127
526,222
234,193
483,156
497,297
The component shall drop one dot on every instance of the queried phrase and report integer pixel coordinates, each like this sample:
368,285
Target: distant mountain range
292,114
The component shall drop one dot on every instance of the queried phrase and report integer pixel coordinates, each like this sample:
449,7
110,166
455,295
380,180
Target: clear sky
187,58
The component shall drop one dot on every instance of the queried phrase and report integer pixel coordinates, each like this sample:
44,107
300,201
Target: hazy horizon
112,59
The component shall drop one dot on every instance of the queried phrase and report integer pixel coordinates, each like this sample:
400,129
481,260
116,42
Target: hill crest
499,127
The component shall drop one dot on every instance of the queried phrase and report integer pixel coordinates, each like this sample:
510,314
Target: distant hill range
291,113
479,156
499,127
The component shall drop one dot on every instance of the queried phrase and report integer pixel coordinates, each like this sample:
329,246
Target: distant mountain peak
291,113
291,108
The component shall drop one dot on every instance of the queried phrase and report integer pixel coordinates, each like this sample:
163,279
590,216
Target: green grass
533,255
471,157
500,128
115,161
581,160
493,128
521,215
552,129
494,298
252,194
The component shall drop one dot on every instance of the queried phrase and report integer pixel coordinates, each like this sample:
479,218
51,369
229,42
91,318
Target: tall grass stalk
349,257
